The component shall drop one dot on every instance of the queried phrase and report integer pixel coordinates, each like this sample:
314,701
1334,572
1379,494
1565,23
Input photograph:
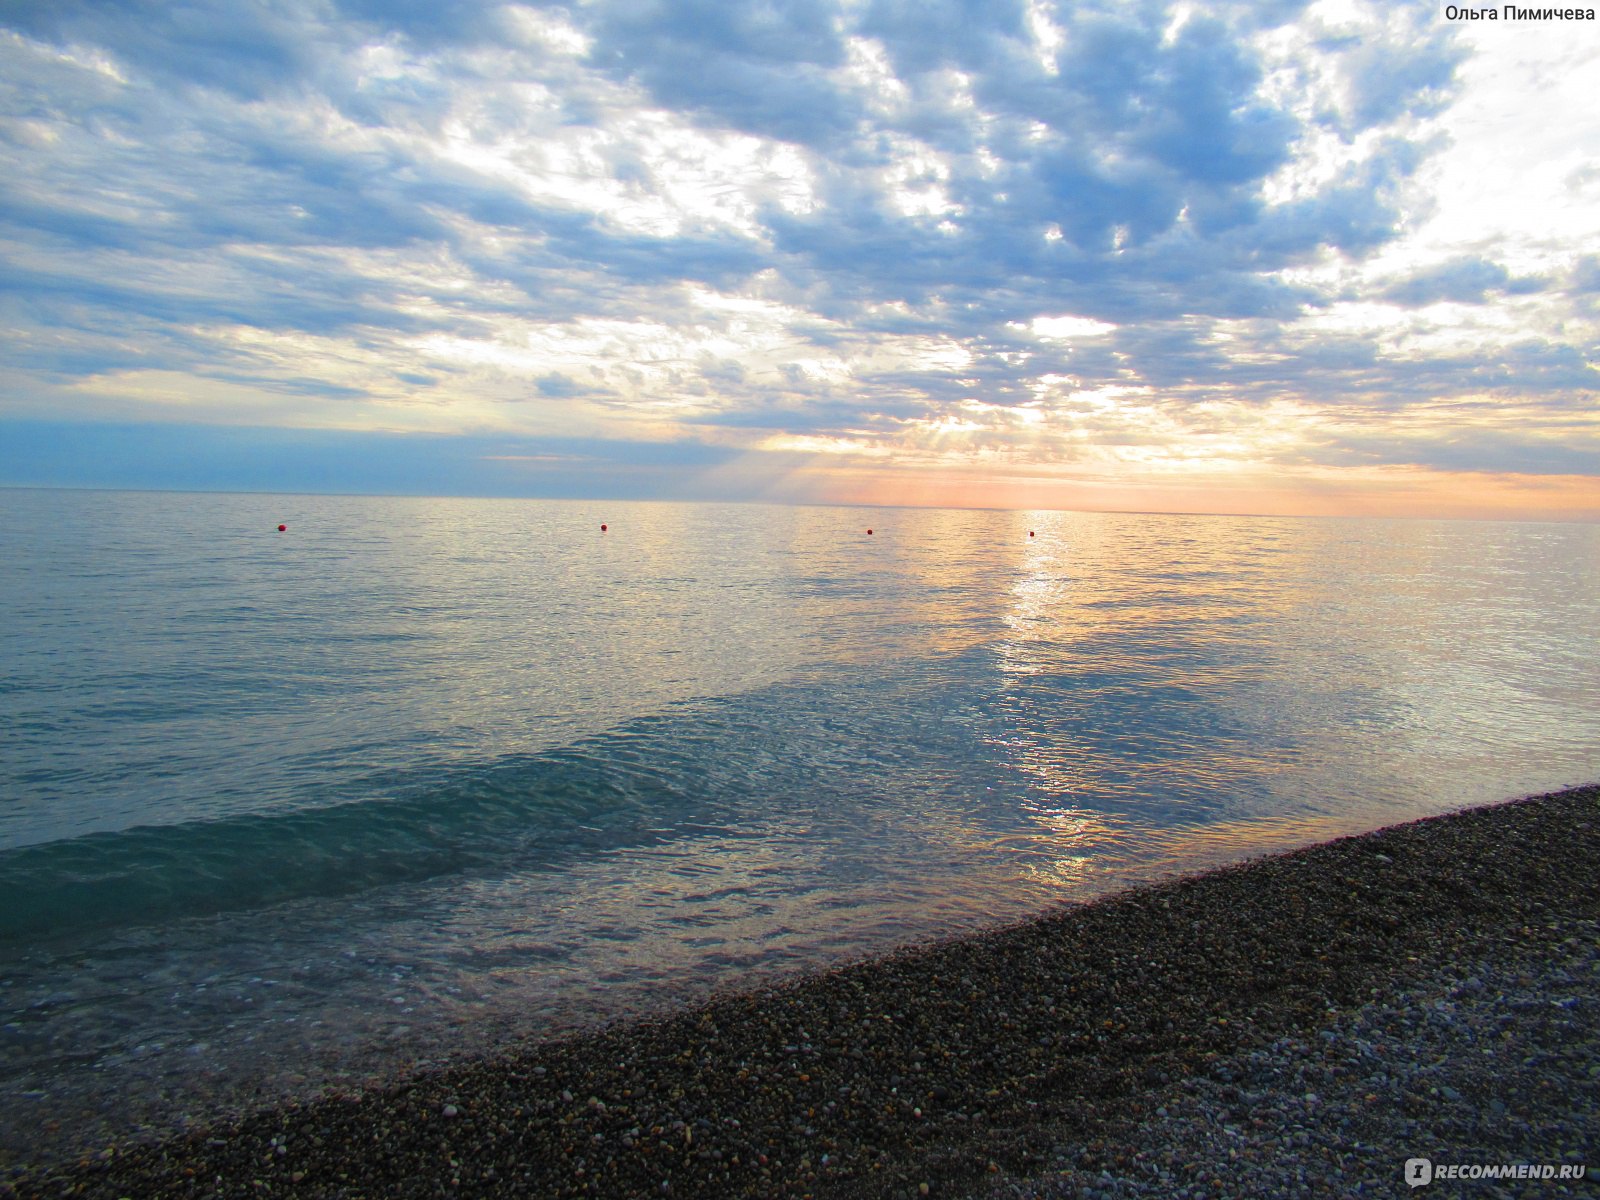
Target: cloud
1411,73
246,49
1493,452
951,231
758,68
1465,280
557,384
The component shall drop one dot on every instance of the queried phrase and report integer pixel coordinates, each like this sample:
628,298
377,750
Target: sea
300,791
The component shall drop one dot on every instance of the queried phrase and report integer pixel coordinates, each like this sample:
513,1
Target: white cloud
1067,328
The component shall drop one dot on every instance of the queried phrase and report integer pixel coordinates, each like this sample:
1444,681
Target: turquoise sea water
279,809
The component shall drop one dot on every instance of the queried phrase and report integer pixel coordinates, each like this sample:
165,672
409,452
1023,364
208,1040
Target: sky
1281,257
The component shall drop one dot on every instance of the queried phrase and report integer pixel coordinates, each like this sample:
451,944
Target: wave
971,736
526,810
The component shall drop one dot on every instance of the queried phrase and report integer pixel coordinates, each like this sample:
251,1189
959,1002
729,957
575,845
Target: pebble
1364,1133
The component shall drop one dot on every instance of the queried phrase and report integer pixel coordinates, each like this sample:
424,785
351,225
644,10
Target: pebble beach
1301,1024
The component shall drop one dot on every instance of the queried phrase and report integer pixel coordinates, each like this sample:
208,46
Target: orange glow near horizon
1391,492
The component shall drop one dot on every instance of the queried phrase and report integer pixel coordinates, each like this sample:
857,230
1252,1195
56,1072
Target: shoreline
965,1065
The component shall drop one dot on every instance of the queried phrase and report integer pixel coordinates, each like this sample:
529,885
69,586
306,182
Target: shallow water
278,809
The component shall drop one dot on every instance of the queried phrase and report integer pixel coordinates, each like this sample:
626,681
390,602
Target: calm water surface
284,809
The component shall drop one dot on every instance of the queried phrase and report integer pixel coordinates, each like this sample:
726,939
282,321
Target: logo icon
1418,1172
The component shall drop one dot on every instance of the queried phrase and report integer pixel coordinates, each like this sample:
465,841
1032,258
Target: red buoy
1030,533
602,529
281,528
869,533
